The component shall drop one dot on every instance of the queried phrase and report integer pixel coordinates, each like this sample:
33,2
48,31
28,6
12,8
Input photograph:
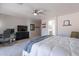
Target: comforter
33,41
55,46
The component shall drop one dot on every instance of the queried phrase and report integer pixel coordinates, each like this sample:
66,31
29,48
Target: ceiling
26,9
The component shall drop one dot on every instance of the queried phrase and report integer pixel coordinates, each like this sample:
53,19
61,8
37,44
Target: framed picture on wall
32,27
44,25
66,23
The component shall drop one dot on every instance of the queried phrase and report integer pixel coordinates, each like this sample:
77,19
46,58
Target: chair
7,35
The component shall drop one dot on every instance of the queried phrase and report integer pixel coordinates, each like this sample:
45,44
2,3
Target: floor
13,50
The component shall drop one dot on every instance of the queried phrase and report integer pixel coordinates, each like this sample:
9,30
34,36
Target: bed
53,46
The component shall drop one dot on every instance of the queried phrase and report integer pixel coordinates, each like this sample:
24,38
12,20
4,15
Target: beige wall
44,31
64,30
37,31
10,22
7,21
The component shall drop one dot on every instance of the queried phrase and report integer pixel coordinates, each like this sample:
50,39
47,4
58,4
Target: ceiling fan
38,12
35,11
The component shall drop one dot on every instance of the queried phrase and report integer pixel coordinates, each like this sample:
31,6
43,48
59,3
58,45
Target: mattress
55,46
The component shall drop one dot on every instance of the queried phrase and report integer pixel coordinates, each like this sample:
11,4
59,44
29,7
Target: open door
52,27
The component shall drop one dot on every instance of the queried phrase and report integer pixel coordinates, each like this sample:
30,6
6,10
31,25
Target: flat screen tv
21,28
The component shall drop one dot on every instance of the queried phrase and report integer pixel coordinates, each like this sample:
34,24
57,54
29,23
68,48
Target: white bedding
55,46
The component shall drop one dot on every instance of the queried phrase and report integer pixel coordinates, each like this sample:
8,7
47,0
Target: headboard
75,34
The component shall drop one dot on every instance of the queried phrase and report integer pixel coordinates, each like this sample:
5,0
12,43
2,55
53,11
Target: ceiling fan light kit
37,12
34,14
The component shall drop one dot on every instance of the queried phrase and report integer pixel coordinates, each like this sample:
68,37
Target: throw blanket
30,43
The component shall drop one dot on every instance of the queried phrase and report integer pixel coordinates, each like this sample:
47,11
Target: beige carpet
13,50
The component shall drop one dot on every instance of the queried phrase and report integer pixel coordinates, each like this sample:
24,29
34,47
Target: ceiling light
35,14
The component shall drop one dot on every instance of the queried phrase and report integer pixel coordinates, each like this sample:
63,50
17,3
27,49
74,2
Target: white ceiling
26,9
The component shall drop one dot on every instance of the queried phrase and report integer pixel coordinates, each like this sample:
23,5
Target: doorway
52,27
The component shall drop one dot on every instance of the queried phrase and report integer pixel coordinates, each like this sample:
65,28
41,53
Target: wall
7,21
37,31
10,22
44,31
66,30
63,30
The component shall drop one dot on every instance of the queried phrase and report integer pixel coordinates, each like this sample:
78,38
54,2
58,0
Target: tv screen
21,28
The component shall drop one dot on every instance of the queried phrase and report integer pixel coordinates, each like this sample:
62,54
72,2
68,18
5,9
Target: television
22,28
